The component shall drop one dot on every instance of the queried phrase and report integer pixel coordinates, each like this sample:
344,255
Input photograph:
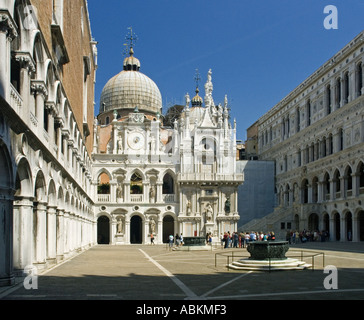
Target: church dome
130,89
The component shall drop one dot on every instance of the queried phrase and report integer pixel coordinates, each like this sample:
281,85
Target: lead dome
130,89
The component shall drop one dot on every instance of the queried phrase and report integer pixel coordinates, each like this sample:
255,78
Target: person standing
151,239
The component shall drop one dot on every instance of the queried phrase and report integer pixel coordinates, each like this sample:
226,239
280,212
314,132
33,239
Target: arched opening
103,187
337,226
326,187
6,209
315,186
136,233
136,184
337,184
103,230
313,222
304,190
348,182
168,228
361,225
326,222
360,174
349,226
168,184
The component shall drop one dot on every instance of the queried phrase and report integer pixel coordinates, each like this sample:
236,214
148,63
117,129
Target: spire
131,63
197,100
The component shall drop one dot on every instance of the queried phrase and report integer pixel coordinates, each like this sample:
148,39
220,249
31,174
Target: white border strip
189,293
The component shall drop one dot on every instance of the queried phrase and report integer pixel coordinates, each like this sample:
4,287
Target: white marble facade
181,171
315,136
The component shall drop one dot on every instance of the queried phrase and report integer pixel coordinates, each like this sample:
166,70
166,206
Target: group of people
242,239
303,236
177,240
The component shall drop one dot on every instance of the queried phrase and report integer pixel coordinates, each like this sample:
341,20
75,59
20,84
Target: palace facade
315,136
48,61
69,180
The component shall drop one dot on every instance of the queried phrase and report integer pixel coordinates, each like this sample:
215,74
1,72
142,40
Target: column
51,234
343,234
66,226
38,87
60,234
159,191
23,230
7,34
40,235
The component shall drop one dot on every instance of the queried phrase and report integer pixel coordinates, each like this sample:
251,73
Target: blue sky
259,51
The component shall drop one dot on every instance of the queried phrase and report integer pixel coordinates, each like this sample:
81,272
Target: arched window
348,181
346,88
326,187
168,184
337,185
315,186
304,190
104,184
328,99
136,184
308,113
338,93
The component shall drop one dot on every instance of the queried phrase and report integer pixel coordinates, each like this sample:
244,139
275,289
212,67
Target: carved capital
8,25
25,60
39,87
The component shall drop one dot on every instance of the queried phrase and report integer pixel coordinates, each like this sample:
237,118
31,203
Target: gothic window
328,99
336,180
308,112
326,187
315,187
360,172
359,79
338,92
341,139
304,190
298,121
346,87
348,179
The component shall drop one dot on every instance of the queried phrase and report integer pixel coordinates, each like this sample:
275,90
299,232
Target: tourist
181,239
246,239
253,236
235,239
171,241
151,239
177,240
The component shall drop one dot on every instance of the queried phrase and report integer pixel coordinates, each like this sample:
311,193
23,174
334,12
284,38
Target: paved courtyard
138,272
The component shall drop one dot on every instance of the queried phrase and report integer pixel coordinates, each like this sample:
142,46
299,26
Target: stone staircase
271,222
265,265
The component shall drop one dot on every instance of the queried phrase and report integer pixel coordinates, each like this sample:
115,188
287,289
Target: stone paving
145,272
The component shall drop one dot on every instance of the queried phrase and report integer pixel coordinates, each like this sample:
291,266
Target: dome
131,88
197,100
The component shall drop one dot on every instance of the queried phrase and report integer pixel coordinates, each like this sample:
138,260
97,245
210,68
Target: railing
104,197
231,256
16,100
210,177
136,198
169,198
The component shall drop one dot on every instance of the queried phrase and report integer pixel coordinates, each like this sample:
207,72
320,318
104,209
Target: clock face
136,141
